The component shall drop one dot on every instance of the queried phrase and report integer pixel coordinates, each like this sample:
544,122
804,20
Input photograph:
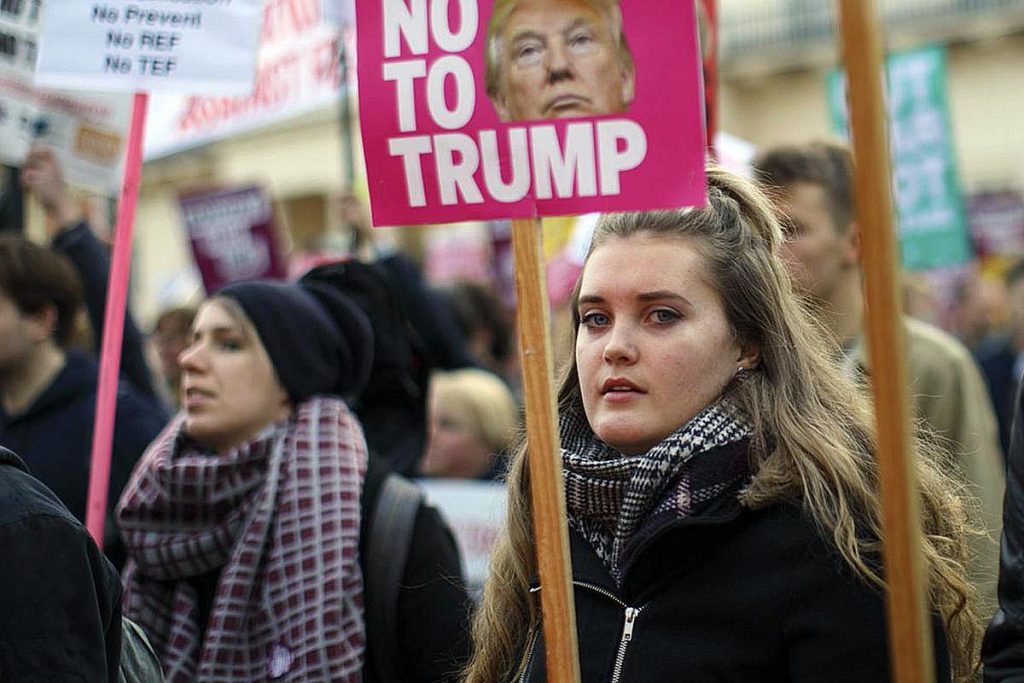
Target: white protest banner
85,130
475,510
139,45
297,73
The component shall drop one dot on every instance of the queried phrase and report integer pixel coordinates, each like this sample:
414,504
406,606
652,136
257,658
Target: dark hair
36,278
476,307
825,164
178,318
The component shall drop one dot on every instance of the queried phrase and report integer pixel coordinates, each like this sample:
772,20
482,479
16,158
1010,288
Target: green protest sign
929,205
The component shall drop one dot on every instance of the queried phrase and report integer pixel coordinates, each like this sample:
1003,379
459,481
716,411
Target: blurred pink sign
588,108
233,237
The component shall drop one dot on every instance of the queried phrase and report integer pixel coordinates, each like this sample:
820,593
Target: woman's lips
620,390
196,397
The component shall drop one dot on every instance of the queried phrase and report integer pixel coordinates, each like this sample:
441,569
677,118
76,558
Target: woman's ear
750,356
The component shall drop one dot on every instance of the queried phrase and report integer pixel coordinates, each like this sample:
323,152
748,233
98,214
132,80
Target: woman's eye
230,344
594,319
664,315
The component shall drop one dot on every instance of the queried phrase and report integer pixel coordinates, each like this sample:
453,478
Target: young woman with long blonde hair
721,487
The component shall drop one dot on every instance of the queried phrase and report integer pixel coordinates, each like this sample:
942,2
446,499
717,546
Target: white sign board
475,510
143,45
298,72
85,130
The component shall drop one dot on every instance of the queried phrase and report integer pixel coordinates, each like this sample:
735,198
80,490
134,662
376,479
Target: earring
740,370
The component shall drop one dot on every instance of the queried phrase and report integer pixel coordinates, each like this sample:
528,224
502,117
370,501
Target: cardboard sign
233,237
85,130
141,45
582,115
475,511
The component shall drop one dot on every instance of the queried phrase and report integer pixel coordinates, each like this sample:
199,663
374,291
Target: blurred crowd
427,375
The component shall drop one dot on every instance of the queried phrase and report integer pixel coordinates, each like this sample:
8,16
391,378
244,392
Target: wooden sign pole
549,517
909,633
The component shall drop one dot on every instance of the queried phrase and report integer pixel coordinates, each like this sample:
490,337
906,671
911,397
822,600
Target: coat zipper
529,655
631,613
627,635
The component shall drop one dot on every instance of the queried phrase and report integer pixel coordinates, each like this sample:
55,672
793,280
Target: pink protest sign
483,109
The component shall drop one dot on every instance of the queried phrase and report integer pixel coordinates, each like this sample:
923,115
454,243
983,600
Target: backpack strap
386,552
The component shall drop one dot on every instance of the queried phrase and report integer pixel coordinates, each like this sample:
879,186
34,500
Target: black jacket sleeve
91,260
832,629
60,606
433,604
1002,651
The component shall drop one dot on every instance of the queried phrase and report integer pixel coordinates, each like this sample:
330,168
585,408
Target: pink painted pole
113,325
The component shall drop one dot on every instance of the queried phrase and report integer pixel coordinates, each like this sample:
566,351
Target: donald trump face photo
551,59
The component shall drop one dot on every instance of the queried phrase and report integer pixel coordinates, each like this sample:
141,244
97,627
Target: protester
720,486
813,184
245,519
60,600
411,334
981,309
171,336
48,390
1003,648
1002,357
473,420
72,237
485,324
550,59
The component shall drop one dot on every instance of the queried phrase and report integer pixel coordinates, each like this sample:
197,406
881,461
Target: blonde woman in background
473,420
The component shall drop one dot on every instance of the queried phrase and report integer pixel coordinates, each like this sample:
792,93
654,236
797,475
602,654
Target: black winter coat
60,599
1003,648
729,595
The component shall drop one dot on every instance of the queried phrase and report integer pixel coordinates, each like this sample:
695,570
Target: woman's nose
191,359
620,346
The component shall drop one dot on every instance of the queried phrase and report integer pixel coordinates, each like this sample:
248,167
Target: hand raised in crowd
355,214
43,176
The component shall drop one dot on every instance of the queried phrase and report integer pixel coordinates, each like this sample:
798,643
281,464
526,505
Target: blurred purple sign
233,237
997,223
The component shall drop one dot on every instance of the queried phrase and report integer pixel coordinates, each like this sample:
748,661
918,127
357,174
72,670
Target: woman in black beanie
242,520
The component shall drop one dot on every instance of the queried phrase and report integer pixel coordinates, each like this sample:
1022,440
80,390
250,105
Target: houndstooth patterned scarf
609,495
279,518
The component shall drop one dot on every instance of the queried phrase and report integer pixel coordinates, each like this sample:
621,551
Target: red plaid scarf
279,518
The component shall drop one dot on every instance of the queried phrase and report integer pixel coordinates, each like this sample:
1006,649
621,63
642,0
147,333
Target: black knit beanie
318,341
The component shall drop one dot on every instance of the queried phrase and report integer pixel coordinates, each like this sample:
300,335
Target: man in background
551,59
813,188
1002,356
48,389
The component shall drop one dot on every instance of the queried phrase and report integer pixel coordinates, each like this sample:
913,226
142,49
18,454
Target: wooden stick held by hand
909,631
548,493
